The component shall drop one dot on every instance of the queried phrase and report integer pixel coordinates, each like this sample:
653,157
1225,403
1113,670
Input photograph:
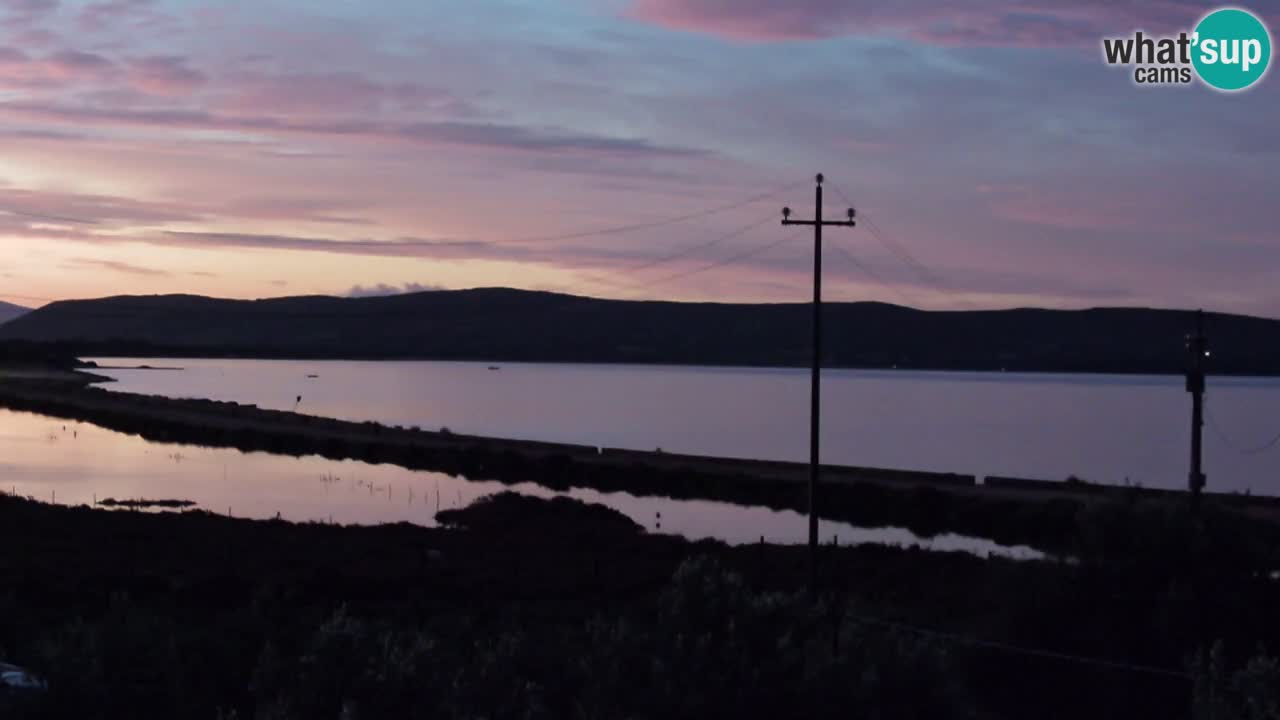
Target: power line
1222,435
939,285
701,246
1022,650
619,229
906,256
614,230
875,276
750,252
645,265
50,218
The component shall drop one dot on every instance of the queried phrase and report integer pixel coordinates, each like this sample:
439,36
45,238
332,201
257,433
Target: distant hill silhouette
9,311
516,325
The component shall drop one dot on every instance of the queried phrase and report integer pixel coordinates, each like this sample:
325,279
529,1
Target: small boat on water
494,367
313,376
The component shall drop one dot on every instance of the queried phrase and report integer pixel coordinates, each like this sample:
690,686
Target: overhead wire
702,246
1216,427
684,252
618,229
871,273
895,247
1024,650
932,278
47,218
905,255
750,252
648,225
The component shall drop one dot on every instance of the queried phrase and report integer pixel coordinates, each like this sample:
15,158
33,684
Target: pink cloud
1086,213
116,266
164,75
99,16
25,12
481,135
72,63
333,93
942,22
21,206
1123,204
105,220
22,71
304,93
309,208
36,38
12,56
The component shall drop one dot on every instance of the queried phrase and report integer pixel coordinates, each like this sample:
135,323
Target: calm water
76,463
1102,428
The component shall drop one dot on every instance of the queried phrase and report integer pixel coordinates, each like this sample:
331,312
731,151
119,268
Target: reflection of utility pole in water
815,378
1197,351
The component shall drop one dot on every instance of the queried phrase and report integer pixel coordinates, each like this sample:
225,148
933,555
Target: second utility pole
1197,351
815,382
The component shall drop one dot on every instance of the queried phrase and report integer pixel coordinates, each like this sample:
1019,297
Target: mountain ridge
540,326
9,311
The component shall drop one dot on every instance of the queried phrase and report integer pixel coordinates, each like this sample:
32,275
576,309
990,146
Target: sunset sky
283,147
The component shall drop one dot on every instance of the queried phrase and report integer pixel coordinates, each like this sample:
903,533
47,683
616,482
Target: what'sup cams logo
1229,50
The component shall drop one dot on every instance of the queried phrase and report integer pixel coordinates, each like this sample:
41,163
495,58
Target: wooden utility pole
1197,351
815,382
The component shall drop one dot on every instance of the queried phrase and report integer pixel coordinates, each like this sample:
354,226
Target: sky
627,148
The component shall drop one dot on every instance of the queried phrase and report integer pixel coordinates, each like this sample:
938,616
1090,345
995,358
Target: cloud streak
333,142
19,13
164,75
989,23
116,266
483,135
403,247
385,289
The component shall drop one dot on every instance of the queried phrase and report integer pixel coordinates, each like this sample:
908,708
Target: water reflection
1105,428
76,463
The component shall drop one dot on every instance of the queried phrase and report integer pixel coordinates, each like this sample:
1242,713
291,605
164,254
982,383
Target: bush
1250,693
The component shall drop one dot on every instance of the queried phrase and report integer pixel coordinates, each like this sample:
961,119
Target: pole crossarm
832,223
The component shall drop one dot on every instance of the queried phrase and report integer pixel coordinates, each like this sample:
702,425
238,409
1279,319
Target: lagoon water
75,463
1104,428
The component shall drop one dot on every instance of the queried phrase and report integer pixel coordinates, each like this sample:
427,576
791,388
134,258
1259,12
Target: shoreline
133,367
212,354
1011,511
508,587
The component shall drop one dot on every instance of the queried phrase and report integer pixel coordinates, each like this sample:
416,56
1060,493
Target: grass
532,608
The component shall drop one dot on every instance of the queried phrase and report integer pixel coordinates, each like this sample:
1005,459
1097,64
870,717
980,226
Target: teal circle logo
1231,49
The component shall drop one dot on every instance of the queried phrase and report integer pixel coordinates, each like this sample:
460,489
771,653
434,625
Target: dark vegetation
145,503
512,513
516,325
21,354
198,616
